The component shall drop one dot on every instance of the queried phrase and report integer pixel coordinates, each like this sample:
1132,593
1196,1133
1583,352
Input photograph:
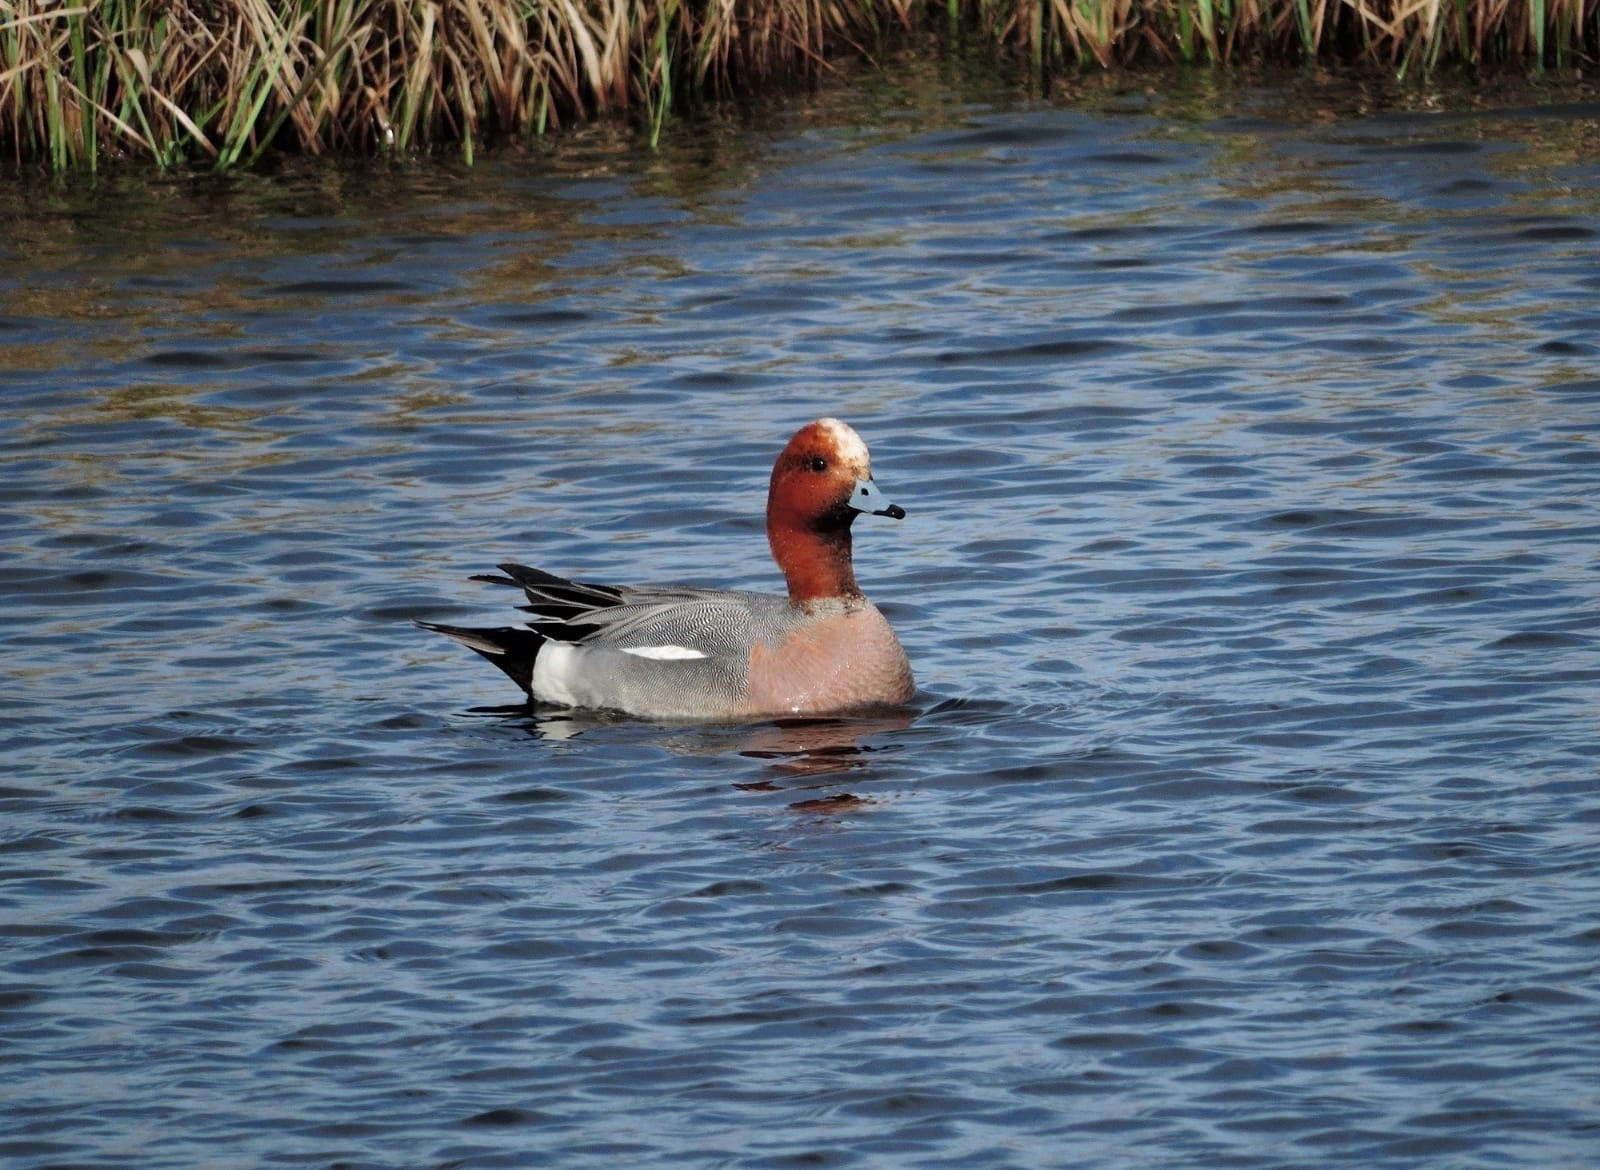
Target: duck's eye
818,463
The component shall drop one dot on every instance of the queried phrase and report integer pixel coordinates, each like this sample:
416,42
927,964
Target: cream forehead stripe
845,440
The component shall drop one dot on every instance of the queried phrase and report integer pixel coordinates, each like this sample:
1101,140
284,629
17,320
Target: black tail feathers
512,648
551,597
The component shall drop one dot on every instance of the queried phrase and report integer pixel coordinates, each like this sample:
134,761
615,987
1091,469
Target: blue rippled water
1248,814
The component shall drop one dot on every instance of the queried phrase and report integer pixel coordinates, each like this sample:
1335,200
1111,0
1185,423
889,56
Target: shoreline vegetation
222,83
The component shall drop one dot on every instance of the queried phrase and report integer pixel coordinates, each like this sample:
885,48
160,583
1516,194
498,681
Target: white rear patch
663,653
552,674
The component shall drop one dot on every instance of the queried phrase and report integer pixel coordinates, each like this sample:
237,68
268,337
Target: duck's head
820,483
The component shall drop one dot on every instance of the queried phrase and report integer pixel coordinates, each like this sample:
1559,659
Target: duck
681,652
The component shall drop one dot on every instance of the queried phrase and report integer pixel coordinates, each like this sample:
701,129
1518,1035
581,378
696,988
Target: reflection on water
799,753
1247,436
802,748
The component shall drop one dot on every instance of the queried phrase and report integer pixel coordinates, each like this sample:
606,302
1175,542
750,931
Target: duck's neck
815,561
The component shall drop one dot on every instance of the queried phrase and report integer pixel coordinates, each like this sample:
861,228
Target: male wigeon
679,652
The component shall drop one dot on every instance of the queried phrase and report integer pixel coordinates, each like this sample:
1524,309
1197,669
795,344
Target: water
1247,816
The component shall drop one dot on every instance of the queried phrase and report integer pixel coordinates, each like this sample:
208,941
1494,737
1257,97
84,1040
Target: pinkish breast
841,657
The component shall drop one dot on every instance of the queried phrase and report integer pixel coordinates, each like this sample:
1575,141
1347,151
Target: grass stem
226,81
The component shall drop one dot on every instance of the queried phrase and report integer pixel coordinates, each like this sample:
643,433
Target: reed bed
221,82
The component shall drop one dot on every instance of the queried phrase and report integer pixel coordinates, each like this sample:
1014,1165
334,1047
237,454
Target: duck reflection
800,754
806,755
821,747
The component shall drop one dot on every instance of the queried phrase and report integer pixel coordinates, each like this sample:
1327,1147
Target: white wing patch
663,653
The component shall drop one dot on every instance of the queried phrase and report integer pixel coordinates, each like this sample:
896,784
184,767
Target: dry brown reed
223,81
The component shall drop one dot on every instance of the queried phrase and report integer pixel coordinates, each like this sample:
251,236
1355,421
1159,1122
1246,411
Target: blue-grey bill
867,498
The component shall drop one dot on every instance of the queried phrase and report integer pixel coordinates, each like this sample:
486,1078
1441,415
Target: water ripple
1245,815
